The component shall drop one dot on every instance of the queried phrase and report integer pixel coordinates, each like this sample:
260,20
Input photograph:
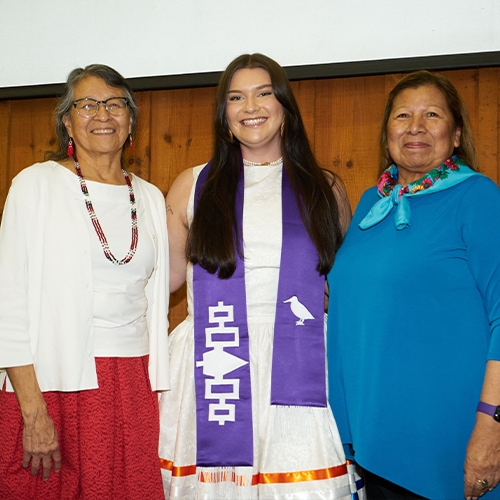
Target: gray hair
112,78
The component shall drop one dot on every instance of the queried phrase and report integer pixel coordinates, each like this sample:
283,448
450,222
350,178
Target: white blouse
120,303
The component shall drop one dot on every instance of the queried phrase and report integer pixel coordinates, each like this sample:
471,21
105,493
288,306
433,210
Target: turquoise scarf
451,172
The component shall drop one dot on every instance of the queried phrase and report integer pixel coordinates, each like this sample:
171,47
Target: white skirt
297,450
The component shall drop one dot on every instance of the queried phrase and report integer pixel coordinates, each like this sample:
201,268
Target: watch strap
492,410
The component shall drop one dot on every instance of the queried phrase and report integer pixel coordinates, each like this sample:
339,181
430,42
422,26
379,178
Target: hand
40,441
482,461
40,444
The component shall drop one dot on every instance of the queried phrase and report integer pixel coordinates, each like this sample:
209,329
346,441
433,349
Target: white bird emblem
299,309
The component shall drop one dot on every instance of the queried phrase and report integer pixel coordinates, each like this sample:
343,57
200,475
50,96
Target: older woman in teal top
414,316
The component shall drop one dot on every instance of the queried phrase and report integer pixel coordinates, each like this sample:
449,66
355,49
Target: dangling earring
131,145
231,135
282,125
70,148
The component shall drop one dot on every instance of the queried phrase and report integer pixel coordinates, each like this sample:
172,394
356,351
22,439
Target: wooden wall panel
5,112
140,161
181,132
342,118
348,114
486,138
32,133
305,95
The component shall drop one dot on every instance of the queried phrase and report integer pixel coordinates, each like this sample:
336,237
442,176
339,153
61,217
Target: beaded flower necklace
97,226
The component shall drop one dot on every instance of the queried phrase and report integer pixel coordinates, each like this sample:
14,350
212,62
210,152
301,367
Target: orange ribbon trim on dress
188,470
271,478
308,475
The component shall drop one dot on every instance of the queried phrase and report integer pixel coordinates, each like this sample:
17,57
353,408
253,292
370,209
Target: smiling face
254,114
421,132
102,134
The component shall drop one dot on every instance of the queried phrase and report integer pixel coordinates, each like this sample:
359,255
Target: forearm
482,462
28,393
490,394
491,385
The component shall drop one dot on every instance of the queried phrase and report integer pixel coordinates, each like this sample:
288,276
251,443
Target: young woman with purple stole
254,232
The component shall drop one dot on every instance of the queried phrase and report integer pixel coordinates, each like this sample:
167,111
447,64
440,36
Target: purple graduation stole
298,377
222,362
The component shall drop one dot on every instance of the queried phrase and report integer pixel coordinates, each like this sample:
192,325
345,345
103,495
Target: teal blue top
414,315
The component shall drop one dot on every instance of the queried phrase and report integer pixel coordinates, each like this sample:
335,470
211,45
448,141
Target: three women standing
262,223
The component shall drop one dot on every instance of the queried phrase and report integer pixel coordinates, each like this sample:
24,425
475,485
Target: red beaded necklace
97,226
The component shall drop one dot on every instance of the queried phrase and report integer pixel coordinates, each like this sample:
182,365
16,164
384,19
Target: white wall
41,41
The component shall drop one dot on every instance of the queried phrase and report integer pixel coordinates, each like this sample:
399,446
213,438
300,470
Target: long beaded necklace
97,226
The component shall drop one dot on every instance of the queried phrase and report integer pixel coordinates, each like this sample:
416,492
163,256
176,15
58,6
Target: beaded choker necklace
248,163
97,226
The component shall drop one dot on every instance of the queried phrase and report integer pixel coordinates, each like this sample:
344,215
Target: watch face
496,416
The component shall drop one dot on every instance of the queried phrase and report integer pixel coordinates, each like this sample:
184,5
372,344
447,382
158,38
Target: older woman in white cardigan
83,309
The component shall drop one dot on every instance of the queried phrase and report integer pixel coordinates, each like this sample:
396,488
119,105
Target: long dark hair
112,78
213,240
456,107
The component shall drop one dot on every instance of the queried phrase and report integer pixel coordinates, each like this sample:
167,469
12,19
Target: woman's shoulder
370,196
196,170
473,190
38,183
38,170
480,182
36,176
479,190
185,182
368,199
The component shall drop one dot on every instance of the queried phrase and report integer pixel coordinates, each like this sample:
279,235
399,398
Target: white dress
297,450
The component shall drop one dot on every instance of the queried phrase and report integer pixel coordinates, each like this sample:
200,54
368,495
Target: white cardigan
46,299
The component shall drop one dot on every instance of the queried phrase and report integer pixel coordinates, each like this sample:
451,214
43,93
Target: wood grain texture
140,161
5,112
305,95
348,113
486,138
32,133
181,132
341,115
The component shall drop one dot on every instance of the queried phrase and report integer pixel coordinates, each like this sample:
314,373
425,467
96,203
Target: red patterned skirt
108,439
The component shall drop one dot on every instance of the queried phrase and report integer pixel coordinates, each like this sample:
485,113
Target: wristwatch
491,410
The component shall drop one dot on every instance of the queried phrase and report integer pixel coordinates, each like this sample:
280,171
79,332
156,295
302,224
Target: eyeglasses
88,108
